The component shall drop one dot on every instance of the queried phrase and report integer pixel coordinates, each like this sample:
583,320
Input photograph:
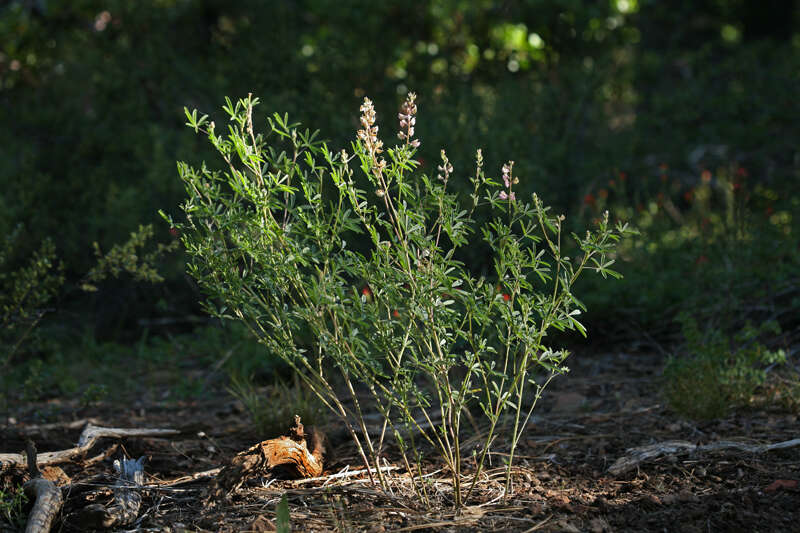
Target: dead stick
641,454
342,475
47,496
88,437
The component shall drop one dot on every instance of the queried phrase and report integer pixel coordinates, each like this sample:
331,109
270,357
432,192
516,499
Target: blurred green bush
92,93
720,372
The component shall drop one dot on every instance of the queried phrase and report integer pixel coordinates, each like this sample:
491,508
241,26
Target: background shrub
580,94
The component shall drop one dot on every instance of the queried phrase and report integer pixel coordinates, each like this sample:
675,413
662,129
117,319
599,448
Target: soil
607,404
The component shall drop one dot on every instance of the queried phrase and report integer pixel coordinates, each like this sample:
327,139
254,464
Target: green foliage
182,366
282,516
12,502
25,290
27,286
126,258
704,240
575,91
356,277
272,409
721,372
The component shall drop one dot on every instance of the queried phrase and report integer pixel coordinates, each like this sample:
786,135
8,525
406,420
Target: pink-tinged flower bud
415,143
407,119
503,195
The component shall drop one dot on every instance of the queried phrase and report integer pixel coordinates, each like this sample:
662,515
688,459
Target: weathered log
47,497
298,455
641,454
127,498
89,436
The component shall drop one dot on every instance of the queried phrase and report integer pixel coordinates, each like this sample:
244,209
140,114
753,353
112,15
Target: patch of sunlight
627,6
535,41
730,34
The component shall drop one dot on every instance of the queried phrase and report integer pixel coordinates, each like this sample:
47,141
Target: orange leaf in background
781,484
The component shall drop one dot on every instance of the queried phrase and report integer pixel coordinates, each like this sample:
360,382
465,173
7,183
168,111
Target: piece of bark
641,454
127,498
89,436
47,497
298,455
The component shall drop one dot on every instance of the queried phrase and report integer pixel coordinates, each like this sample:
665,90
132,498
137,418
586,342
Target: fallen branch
47,496
343,475
641,454
41,428
88,437
127,499
188,478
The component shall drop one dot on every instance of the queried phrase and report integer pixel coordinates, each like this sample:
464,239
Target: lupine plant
345,264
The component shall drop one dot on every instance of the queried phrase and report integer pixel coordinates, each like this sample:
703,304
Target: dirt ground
587,420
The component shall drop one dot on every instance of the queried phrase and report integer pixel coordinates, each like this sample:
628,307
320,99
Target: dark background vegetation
681,117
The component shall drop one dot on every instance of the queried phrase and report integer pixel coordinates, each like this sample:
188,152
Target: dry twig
88,437
642,454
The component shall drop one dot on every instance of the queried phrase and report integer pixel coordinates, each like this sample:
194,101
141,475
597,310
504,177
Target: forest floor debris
564,479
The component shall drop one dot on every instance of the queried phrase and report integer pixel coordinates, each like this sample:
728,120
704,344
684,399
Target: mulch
607,404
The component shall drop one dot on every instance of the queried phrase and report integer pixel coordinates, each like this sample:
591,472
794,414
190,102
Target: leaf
282,516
